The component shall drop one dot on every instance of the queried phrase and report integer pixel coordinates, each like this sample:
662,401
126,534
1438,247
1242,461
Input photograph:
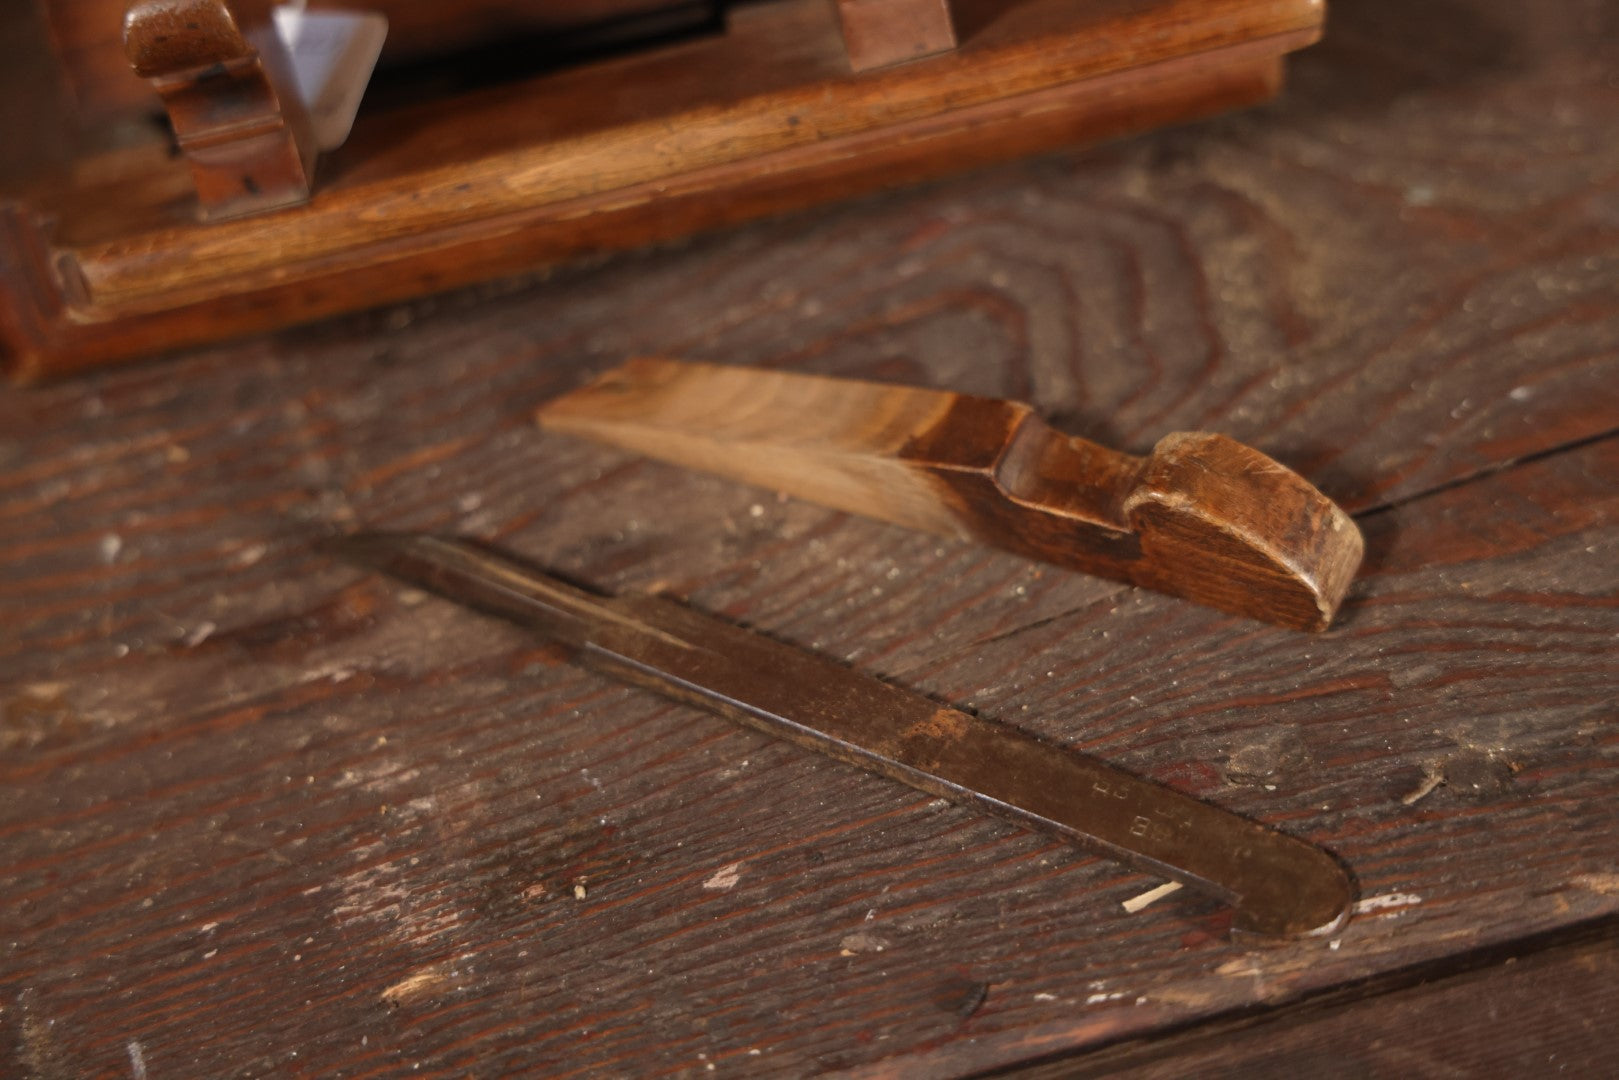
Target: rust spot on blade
947,725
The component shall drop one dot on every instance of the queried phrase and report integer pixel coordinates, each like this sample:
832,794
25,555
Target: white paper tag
333,54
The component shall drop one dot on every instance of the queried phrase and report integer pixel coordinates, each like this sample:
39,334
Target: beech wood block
1202,517
878,33
229,94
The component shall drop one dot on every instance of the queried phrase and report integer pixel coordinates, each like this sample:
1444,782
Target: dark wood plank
39,124
364,817
1546,1009
255,806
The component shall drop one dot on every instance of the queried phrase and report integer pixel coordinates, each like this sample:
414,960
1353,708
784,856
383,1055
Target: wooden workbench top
263,815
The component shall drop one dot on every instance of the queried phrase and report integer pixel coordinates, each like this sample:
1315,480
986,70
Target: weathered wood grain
261,816
372,817
1548,1008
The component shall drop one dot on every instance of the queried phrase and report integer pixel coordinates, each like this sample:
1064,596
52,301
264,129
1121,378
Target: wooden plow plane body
168,191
